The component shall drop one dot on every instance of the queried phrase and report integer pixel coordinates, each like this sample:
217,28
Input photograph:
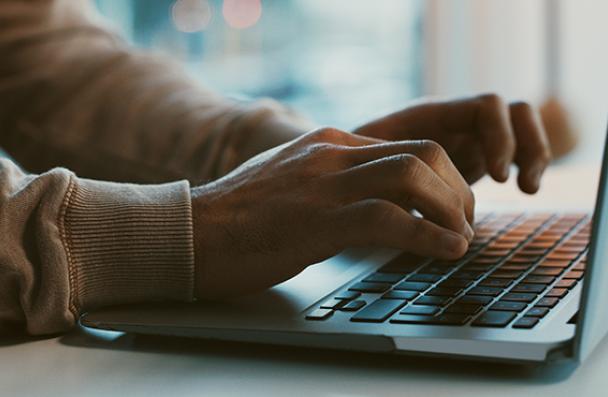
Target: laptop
532,288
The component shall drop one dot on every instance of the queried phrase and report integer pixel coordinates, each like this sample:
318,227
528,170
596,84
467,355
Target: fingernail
454,243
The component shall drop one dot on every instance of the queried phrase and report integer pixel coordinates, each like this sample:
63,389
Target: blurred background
341,62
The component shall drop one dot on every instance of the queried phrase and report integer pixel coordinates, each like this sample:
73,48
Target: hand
309,199
482,135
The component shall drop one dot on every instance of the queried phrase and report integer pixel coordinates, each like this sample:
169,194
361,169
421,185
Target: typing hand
310,198
482,135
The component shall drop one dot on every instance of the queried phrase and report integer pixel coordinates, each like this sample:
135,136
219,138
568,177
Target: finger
498,141
383,224
408,182
429,152
533,153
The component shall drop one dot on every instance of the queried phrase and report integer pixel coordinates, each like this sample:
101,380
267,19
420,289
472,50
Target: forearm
73,91
70,244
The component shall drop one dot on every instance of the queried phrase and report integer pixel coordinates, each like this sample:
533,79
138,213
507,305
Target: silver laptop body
279,315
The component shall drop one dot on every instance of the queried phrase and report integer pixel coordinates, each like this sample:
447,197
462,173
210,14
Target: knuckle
328,134
323,156
319,148
430,151
408,166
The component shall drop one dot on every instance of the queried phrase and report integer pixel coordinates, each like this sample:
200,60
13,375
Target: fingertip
453,245
501,170
528,186
529,180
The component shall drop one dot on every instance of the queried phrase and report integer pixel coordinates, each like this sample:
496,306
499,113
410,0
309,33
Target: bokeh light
191,16
242,14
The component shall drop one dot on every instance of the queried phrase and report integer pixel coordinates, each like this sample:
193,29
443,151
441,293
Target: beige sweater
73,96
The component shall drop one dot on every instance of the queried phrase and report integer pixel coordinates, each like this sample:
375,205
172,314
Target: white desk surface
83,363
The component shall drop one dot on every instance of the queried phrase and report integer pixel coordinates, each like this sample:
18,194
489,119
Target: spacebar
378,311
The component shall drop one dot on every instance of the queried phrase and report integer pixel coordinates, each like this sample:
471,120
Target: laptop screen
593,313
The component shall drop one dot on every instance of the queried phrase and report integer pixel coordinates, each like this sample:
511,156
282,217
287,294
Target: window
340,62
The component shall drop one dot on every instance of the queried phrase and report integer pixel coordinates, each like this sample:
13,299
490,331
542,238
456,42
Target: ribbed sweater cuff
128,243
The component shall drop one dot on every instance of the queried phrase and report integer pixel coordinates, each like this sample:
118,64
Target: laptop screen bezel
591,326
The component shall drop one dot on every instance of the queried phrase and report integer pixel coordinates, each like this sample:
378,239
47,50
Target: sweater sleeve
72,94
69,244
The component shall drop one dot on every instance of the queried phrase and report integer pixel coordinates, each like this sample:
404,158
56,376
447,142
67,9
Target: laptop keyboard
517,269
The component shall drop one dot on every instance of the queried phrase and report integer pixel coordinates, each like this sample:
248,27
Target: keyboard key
451,282
524,259
353,306
537,312
319,314
411,319
540,245
406,295
557,292
333,303
495,282
562,257
566,283
547,302
483,261
451,319
489,291
444,264
569,249
378,311
481,300
519,297
432,300
526,322
532,251
539,279
425,278
575,274
579,266
467,275
559,264
477,267
444,291
412,286
369,287
531,288
494,319
421,310
464,308
516,267
510,274
494,253
508,306
434,269
445,319
387,269
384,278
547,271
348,295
